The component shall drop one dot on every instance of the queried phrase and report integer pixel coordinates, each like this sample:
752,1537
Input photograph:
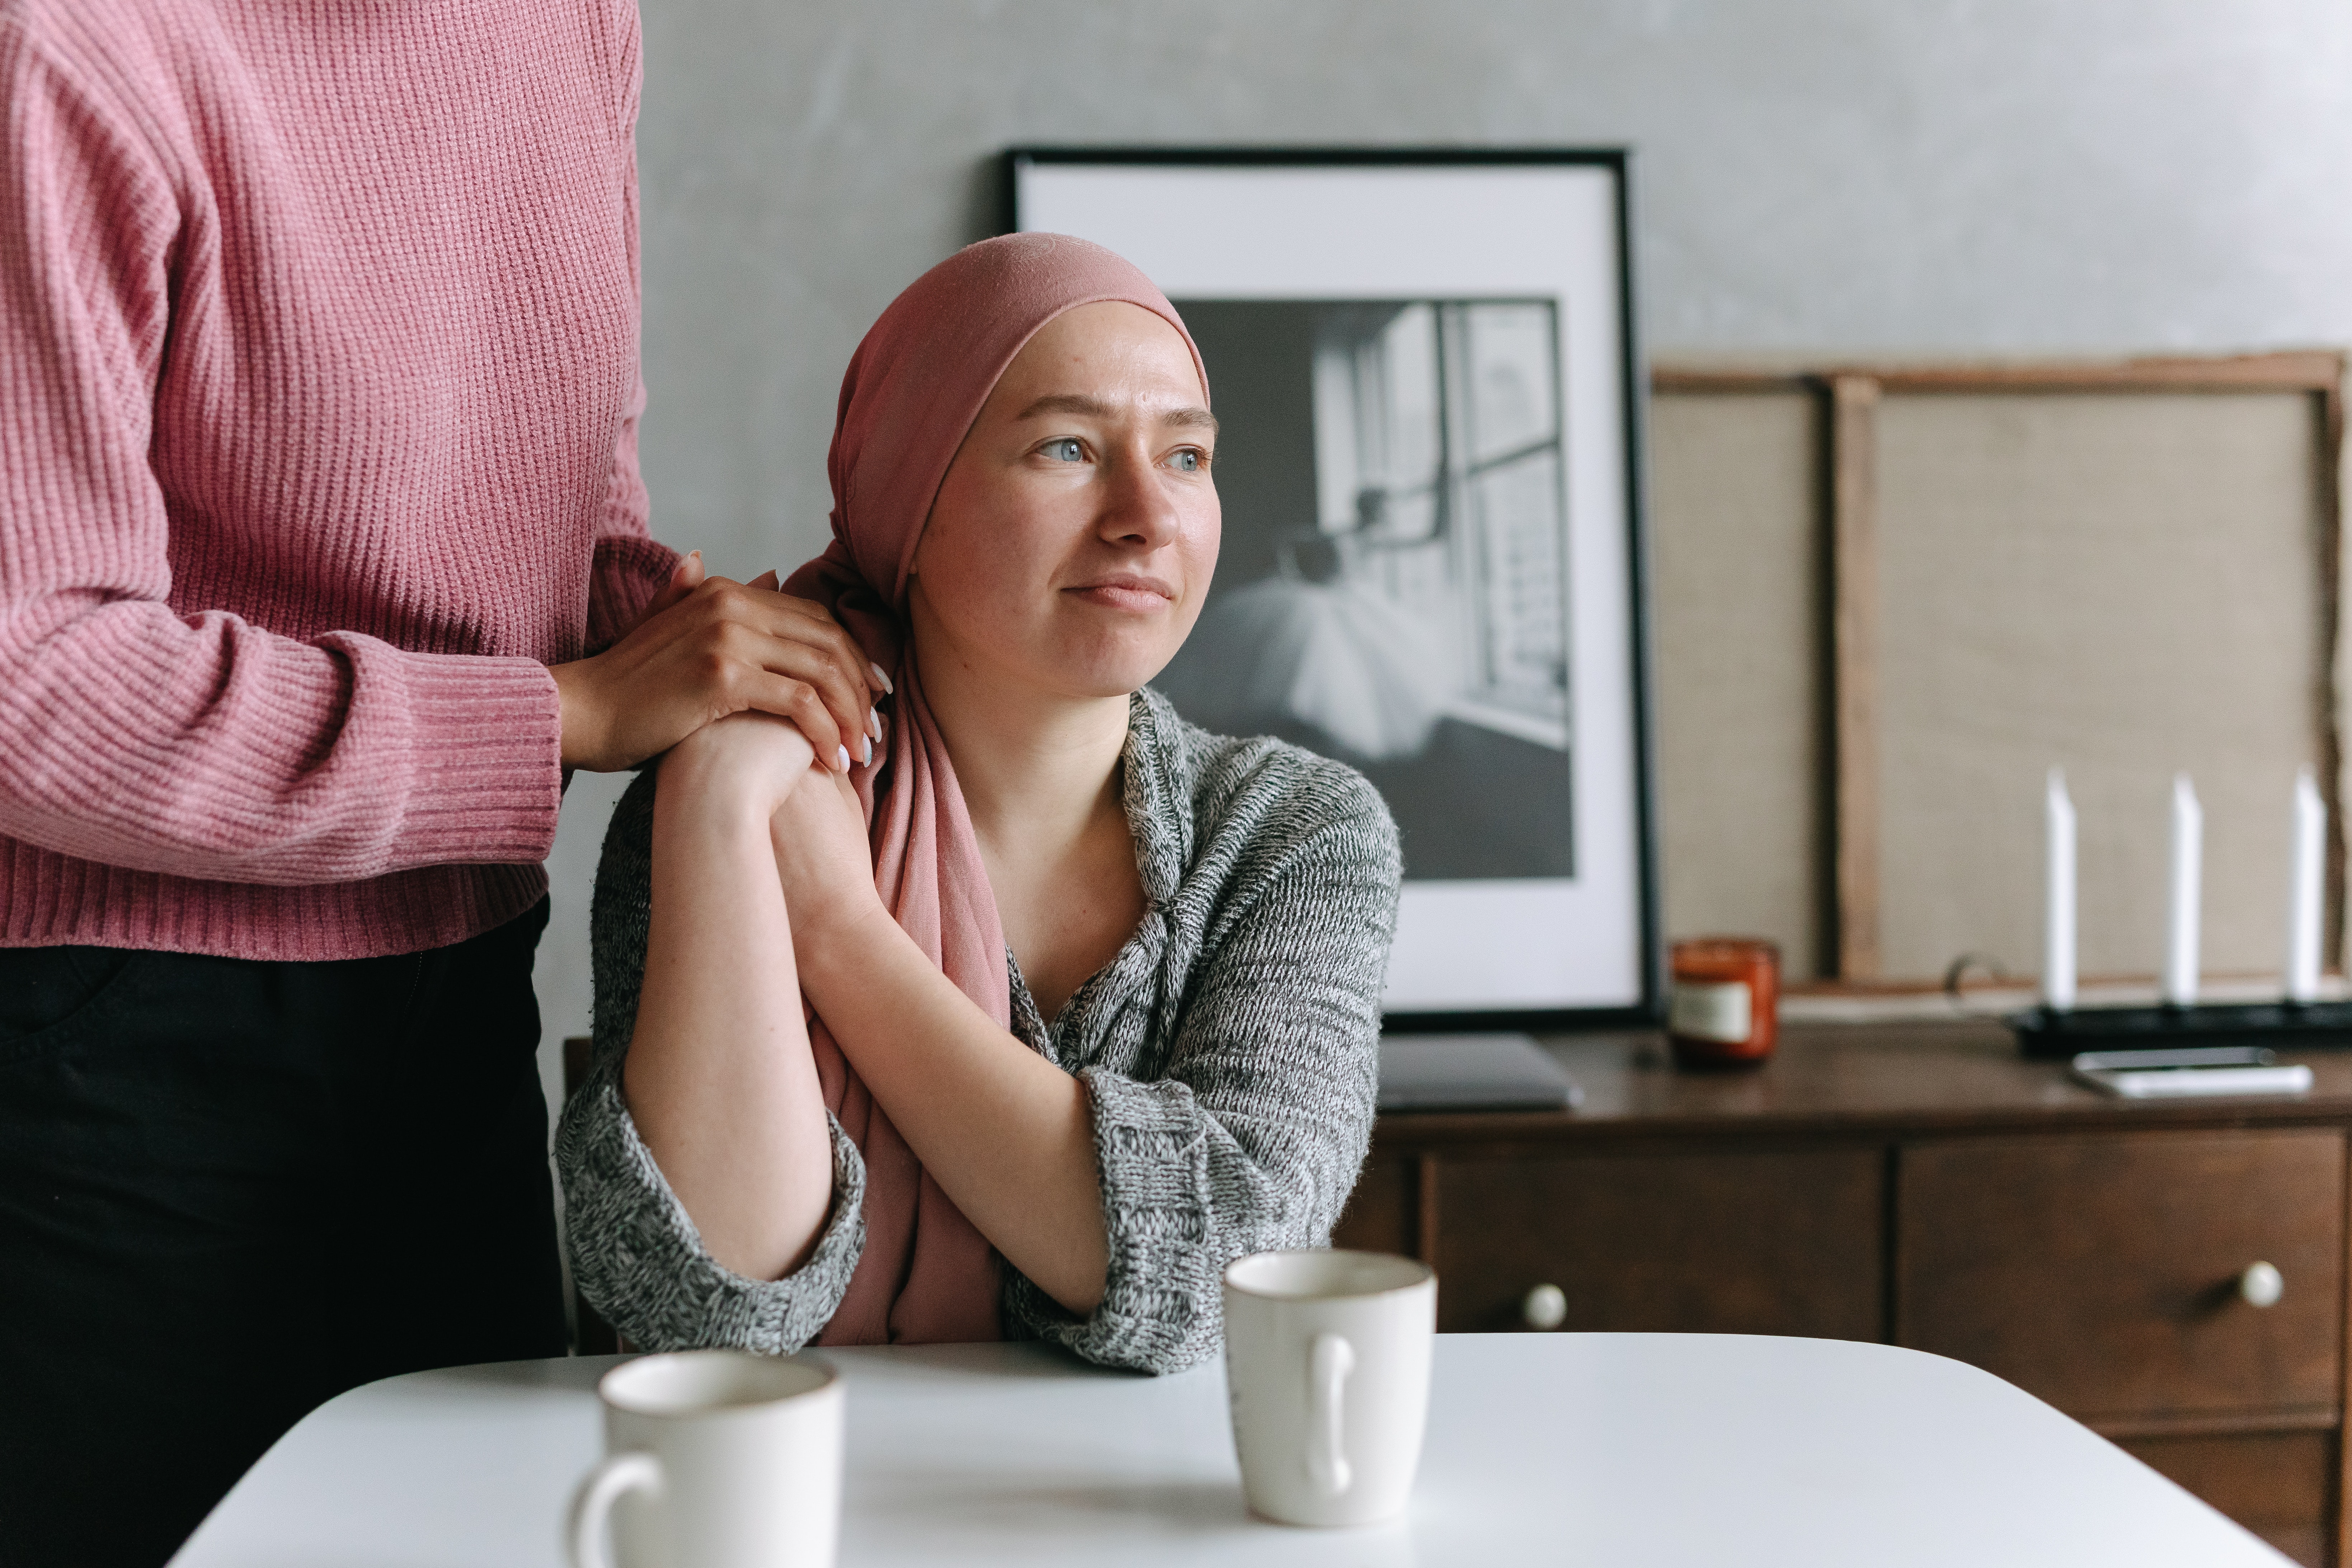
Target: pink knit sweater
318,403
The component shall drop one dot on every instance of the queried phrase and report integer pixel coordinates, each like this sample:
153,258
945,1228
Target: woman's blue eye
1068,449
1187,460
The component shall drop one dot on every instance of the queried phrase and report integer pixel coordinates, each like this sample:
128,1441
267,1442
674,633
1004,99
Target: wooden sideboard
1920,1185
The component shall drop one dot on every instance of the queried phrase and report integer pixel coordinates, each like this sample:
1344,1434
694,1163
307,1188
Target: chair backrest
576,1050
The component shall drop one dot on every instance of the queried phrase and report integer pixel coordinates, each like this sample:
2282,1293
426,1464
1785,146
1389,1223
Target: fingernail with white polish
881,680
870,753
841,754
874,723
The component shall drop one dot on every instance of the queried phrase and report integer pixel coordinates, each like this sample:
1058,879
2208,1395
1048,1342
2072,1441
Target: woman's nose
1137,507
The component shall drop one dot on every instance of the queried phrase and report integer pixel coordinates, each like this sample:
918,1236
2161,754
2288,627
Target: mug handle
606,1485
1330,1361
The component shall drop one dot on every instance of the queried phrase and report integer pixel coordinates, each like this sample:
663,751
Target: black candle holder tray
2043,1032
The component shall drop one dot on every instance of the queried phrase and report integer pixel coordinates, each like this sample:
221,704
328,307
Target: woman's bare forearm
720,1080
1006,1133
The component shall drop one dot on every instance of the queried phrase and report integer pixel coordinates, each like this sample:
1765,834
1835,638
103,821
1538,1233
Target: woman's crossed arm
1007,1135
720,1078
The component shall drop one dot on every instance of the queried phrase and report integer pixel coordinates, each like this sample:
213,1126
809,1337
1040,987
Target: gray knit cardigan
1229,1052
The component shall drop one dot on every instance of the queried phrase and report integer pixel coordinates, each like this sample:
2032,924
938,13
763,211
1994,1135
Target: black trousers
231,1190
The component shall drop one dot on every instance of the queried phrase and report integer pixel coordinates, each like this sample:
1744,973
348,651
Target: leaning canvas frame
1321,227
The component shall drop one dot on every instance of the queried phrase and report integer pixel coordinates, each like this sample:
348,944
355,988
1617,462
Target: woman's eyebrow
1076,403
1085,407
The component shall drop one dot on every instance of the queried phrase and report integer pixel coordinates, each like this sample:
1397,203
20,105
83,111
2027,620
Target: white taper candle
2058,901
2188,874
2305,878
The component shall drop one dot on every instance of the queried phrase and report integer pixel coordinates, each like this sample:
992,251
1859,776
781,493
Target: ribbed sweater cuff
485,736
640,1262
1164,1259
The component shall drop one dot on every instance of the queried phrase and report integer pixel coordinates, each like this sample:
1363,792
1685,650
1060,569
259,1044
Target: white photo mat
1254,231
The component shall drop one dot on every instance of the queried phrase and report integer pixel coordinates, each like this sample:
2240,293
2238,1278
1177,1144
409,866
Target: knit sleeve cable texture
1253,1137
634,1251
194,745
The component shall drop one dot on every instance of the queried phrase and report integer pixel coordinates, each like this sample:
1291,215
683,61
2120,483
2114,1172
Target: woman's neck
1039,772
1038,769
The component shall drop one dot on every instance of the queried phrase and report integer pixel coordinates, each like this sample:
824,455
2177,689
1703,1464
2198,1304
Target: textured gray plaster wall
1960,176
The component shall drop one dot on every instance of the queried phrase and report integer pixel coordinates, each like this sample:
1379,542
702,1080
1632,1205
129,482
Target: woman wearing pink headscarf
1048,1006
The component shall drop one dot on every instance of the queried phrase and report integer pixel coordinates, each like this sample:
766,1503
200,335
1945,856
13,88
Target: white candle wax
2188,873
2058,901
2305,878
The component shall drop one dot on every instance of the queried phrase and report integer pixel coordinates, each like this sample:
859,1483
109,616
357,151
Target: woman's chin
1101,684
1097,667
1093,679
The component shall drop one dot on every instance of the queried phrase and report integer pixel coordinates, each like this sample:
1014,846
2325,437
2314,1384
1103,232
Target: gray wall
1958,176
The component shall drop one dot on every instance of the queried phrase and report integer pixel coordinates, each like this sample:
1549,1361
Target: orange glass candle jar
1726,1008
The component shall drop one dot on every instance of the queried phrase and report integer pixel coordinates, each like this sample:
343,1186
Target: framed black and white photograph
1425,374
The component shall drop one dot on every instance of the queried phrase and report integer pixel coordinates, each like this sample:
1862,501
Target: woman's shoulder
1265,791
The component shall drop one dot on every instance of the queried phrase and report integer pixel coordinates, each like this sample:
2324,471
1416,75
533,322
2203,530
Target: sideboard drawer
1769,1242
2277,1484
2103,1272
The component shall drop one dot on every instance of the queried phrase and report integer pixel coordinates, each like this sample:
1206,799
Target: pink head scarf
913,389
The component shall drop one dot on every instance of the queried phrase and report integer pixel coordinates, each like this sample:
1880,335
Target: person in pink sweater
323,558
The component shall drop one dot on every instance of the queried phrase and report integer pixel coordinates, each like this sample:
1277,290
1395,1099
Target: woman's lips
1136,595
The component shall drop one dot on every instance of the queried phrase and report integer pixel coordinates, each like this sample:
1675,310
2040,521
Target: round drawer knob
2260,1285
1546,1307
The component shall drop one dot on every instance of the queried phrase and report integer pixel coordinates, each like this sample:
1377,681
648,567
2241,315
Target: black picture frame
1641,1003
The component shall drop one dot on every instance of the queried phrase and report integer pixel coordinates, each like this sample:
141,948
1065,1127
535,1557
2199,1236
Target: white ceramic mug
715,1459
1326,1370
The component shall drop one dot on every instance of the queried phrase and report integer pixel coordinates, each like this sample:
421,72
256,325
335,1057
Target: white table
1590,1449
